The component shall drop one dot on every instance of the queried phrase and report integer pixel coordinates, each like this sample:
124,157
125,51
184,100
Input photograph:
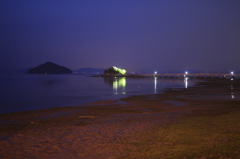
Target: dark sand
121,128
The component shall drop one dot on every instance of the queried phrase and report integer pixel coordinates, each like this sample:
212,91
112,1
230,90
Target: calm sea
21,92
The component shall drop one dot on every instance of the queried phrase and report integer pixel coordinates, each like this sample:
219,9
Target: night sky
138,35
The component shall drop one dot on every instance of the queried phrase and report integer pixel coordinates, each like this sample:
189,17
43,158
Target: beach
198,122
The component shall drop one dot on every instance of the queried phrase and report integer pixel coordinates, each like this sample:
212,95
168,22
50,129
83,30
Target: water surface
21,92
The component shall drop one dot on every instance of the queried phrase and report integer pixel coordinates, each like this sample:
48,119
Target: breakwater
193,75
180,75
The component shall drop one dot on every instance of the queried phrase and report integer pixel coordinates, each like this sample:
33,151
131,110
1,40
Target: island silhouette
49,68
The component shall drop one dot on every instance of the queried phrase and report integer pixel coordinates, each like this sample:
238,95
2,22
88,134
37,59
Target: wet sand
116,129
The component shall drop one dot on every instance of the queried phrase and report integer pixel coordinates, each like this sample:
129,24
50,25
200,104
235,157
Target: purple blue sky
138,35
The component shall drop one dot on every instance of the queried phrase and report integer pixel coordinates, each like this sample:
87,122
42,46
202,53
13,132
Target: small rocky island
49,68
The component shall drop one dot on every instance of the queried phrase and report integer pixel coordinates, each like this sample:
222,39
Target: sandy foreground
198,122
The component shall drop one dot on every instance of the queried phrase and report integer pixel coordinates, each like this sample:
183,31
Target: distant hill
49,68
89,70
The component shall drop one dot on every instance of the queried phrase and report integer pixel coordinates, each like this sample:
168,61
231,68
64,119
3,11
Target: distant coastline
178,75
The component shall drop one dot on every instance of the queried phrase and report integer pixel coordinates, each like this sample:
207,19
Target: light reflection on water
232,93
186,82
119,85
155,85
143,85
21,92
